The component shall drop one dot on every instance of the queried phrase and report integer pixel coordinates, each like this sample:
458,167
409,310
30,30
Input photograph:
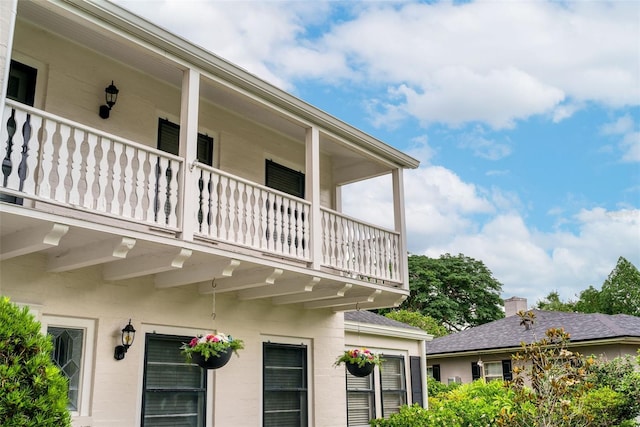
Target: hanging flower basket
360,362
213,362
211,351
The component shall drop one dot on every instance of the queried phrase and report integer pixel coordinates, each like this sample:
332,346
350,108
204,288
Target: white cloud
630,137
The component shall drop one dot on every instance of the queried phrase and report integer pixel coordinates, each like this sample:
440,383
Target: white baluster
45,189
91,173
72,183
138,188
33,157
173,194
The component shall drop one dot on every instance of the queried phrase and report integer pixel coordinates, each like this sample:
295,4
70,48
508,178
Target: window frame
204,375
403,381
86,369
301,342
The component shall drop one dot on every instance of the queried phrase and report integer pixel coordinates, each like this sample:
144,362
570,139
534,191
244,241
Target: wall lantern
128,335
110,96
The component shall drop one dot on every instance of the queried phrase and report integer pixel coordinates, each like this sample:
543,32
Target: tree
589,301
457,291
620,293
33,391
552,302
413,318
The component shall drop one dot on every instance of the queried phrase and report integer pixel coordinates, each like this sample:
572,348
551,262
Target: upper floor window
285,392
284,179
169,141
21,85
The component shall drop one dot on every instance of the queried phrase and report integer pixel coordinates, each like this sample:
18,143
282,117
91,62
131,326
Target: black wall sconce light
128,335
110,96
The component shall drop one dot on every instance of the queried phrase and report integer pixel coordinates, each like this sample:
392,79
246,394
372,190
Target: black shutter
284,179
506,370
436,373
475,371
416,380
169,142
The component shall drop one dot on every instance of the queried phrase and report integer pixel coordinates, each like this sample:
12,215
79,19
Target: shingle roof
364,316
508,333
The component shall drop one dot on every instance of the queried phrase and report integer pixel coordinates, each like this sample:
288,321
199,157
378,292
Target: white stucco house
146,180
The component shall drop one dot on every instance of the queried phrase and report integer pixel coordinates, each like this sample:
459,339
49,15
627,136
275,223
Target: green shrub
436,388
621,375
33,392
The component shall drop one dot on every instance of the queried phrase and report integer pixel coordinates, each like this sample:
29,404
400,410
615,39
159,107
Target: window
360,400
284,385
434,372
386,387
496,370
393,382
284,179
174,392
73,354
169,141
21,86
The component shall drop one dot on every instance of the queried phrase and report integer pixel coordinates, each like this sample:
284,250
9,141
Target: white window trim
145,329
487,377
88,344
275,339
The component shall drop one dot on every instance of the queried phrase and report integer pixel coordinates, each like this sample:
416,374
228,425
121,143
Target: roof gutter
387,331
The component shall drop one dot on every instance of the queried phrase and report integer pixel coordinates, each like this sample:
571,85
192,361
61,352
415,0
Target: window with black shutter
285,385
475,371
174,392
169,141
284,179
506,370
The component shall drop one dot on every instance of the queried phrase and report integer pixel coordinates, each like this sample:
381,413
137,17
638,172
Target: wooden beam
91,254
312,296
31,240
145,265
283,287
196,273
330,303
244,279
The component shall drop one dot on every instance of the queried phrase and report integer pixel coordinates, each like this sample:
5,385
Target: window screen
169,141
284,179
174,391
393,382
67,355
285,385
360,400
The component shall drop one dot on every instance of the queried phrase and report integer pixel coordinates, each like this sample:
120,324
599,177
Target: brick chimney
513,305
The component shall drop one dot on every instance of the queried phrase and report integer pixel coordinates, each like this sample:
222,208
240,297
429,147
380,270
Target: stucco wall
117,385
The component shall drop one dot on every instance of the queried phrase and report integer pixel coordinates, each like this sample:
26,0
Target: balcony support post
312,192
400,224
187,205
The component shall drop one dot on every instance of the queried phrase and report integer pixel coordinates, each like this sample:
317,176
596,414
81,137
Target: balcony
109,186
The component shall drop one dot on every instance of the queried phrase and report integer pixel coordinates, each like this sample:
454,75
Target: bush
33,391
476,404
621,375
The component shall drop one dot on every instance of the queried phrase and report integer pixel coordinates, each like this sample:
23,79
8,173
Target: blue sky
525,116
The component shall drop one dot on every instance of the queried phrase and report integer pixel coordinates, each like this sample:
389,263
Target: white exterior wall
237,388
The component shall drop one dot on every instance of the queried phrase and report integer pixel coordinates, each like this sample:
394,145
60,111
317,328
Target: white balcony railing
366,251
238,211
51,159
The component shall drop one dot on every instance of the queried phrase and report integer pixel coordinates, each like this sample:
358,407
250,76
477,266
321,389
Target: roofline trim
494,350
384,330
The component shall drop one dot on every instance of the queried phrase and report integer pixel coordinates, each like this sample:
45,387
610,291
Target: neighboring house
400,381
202,190
486,350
